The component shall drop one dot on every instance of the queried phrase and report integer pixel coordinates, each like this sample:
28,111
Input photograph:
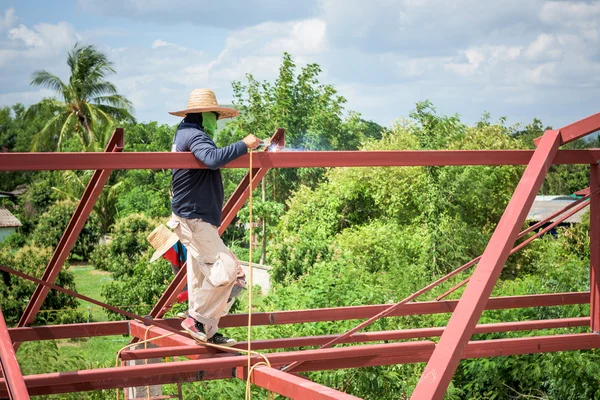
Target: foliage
74,185
15,291
53,223
435,204
89,106
311,113
145,191
139,289
127,245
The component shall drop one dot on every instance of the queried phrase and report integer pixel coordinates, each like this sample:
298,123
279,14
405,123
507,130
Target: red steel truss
205,363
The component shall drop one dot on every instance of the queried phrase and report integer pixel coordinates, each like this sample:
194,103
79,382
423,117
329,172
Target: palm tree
106,206
90,105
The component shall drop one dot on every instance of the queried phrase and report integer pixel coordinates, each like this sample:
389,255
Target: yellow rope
248,386
249,340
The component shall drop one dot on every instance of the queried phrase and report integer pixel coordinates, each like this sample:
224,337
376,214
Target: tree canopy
88,105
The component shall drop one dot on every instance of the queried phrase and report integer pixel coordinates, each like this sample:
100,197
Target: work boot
222,340
194,328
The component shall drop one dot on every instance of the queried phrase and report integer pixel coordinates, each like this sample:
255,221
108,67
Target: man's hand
251,141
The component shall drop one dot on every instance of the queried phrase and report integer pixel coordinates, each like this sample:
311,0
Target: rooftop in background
7,220
21,189
544,206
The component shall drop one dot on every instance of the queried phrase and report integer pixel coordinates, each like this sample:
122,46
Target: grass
101,349
89,281
95,351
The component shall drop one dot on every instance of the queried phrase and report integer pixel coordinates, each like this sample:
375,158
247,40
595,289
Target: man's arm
210,155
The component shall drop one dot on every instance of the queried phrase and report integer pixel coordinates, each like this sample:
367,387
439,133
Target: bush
53,223
127,245
129,235
141,289
15,291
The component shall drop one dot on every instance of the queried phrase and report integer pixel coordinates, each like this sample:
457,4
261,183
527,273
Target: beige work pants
211,271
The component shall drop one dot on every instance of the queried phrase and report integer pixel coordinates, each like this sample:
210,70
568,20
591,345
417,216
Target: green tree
74,185
15,292
53,223
311,112
89,106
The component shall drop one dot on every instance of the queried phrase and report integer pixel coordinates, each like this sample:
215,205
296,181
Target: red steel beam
172,346
424,307
285,159
292,386
345,357
69,237
439,370
577,130
595,248
474,349
14,383
443,279
127,314
66,331
69,331
37,383
114,383
521,245
166,301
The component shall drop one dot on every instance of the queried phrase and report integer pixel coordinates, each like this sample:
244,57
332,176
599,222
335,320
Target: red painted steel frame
443,358
285,159
595,249
24,334
440,368
293,386
521,245
67,241
453,273
69,331
15,385
127,314
344,357
173,346
578,129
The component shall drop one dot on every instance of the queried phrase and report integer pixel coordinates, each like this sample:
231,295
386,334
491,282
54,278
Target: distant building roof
19,190
545,206
582,192
7,220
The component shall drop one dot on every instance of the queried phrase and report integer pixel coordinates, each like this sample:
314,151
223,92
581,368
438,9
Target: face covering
209,123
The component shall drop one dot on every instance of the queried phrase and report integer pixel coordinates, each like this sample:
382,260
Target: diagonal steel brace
69,237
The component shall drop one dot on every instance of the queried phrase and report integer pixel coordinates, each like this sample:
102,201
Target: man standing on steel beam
196,205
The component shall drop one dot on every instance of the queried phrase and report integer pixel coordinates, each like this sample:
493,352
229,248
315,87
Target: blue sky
515,58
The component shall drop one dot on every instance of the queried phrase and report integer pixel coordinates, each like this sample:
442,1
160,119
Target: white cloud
161,43
8,20
227,15
570,13
25,97
520,58
29,37
546,46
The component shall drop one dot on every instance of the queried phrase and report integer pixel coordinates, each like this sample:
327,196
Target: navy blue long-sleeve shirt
198,193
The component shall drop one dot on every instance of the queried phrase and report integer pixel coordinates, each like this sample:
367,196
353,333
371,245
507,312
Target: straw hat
204,100
162,239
